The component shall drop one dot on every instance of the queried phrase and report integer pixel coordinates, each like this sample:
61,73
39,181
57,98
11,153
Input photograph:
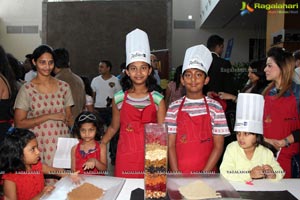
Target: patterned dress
37,104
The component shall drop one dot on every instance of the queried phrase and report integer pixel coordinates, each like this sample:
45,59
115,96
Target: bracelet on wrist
287,143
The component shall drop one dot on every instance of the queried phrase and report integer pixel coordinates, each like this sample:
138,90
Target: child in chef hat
248,158
196,123
137,104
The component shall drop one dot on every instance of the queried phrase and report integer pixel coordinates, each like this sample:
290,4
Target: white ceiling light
190,16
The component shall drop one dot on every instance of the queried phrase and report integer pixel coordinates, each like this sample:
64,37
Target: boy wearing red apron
196,123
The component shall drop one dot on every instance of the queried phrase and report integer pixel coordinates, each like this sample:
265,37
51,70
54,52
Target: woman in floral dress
44,105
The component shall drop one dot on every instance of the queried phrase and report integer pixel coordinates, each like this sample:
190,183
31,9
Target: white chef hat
249,113
198,57
137,47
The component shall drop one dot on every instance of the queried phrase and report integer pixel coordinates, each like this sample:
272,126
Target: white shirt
30,75
296,77
156,76
103,89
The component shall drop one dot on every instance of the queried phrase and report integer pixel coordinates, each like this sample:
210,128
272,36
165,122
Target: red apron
194,140
80,160
130,152
280,119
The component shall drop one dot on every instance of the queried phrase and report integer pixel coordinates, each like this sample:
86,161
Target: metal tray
216,181
111,186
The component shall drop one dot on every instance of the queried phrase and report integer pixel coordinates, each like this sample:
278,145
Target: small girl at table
249,158
23,172
88,156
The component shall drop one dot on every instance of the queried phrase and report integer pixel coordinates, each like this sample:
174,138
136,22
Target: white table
292,185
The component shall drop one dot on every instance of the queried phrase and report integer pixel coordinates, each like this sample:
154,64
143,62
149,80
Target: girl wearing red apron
135,106
281,118
88,156
196,124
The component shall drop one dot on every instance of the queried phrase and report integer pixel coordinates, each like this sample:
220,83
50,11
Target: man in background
154,64
104,87
63,72
220,71
30,70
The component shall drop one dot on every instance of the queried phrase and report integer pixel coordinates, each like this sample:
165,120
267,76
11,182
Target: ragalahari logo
246,9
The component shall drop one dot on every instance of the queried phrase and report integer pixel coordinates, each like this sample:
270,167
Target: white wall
20,13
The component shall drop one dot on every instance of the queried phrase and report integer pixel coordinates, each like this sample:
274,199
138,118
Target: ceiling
226,14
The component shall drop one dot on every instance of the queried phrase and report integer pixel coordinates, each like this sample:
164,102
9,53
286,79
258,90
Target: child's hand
279,143
212,94
89,164
75,178
275,143
58,116
268,171
257,172
48,189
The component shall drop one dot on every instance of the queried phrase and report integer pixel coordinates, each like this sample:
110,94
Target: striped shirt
196,107
139,103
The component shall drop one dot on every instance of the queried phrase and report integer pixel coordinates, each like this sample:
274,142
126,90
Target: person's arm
172,152
73,158
272,168
161,112
103,158
22,121
47,189
216,152
227,96
9,190
46,169
69,117
89,103
285,142
114,125
94,89
90,107
4,90
257,172
167,97
98,163
94,96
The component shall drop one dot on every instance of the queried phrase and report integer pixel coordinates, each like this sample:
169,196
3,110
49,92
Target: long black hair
151,83
286,64
88,117
87,85
177,76
40,50
8,73
260,141
258,67
11,150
